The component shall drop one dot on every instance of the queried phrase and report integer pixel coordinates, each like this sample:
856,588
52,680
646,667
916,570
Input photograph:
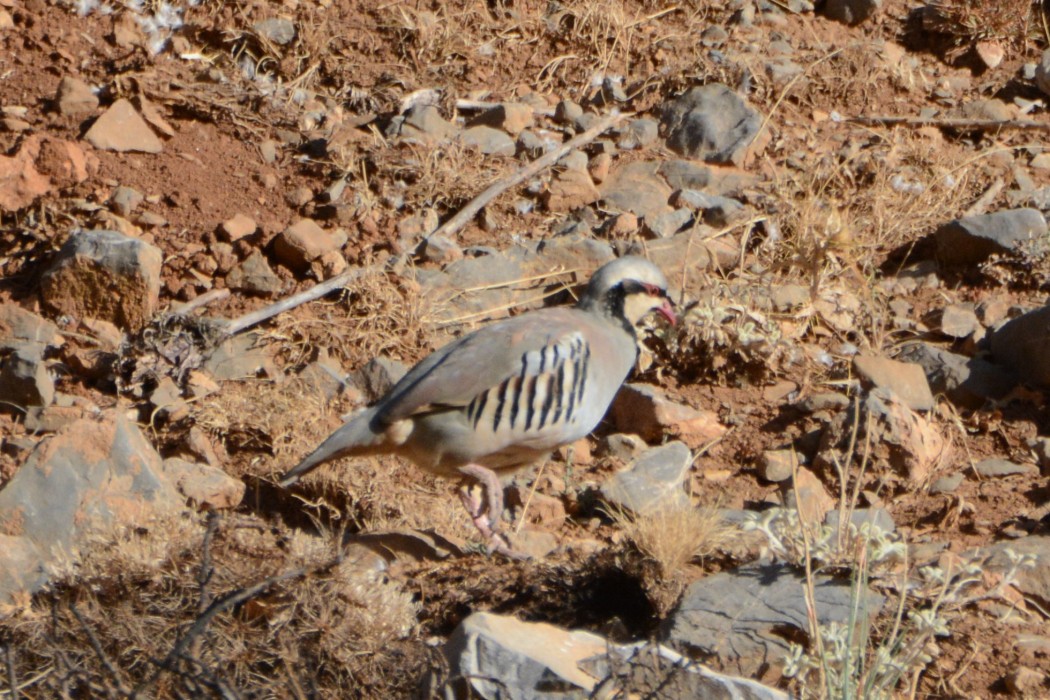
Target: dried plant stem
952,123
9,662
203,300
316,292
468,212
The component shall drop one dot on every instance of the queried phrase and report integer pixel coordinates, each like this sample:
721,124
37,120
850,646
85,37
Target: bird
499,399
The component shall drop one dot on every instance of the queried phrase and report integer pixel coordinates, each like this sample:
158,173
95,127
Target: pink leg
487,523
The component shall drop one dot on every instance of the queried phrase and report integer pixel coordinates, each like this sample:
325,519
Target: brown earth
354,63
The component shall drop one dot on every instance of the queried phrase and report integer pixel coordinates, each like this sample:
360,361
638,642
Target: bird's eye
652,290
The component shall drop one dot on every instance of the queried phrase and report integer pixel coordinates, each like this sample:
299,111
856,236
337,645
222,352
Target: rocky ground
827,480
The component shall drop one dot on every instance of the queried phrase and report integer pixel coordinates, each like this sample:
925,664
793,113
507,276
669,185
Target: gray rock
490,270
851,11
1020,346
205,486
824,402
425,121
276,29
125,200
637,188
690,252
488,140
567,112
993,467
75,98
711,123
667,225
379,376
653,481
1042,73
959,321
574,160
740,616
87,482
104,275
24,379
966,381
569,252
623,446
18,325
713,35
1033,582
440,249
782,70
878,517
254,275
972,239
511,117
905,379
777,465
947,484
686,175
501,657
238,358
638,133
717,210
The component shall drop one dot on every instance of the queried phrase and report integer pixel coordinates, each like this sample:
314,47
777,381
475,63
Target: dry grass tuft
316,623
672,537
380,315
284,419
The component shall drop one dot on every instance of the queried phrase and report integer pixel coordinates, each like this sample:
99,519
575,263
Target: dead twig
96,645
203,300
220,605
468,212
316,292
952,123
9,661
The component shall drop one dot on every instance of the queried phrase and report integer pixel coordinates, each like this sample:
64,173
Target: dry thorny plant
230,608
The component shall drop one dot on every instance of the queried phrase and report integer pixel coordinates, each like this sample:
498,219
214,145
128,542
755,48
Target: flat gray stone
653,481
972,239
667,225
503,658
637,188
711,123
18,325
488,140
740,615
993,467
254,275
1035,581
947,484
379,376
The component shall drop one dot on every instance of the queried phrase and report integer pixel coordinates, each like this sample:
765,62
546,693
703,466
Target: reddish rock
571,189
20,182
206,487
121,128
303,242
645,410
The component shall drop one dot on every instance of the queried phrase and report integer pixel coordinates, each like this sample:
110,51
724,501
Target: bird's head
629,287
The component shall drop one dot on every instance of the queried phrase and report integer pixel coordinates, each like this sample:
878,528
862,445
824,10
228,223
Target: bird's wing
530,344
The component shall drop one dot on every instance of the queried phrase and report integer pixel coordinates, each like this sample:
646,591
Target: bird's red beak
667,311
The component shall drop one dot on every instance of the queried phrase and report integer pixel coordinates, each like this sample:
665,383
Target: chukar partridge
501,398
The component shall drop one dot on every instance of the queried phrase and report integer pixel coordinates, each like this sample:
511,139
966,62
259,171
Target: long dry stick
524,173
316,292
952,123
9,662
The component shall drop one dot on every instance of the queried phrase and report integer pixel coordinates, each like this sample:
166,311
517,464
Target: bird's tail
356,437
